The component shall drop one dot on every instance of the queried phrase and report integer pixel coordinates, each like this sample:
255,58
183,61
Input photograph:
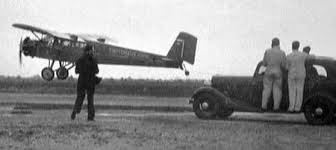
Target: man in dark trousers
311,72
87,68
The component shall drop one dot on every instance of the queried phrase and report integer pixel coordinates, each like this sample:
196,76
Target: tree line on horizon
123,86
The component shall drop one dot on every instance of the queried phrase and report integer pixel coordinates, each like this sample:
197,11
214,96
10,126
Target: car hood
231,85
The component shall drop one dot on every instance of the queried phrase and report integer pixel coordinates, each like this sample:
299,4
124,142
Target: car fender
325,94
221,97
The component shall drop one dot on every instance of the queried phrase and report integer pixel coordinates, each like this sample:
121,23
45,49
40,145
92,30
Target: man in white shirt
296,76
274,60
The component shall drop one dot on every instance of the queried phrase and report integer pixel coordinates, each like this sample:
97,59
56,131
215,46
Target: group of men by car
277,63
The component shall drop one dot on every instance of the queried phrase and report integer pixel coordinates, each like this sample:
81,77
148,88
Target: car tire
224,112
319,109
204,106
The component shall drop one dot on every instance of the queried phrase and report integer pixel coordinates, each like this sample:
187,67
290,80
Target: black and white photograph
167,74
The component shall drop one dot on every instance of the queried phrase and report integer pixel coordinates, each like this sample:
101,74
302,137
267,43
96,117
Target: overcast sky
232,34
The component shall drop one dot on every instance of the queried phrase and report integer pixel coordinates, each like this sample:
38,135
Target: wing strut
36,35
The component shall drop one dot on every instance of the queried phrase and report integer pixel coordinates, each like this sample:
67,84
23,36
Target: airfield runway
135,128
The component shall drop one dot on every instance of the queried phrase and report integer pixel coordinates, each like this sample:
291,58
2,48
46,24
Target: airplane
66,48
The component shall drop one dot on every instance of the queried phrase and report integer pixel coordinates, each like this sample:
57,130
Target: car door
257,84
257,87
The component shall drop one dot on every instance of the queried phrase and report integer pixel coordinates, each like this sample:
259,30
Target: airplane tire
62,73
204,106
319,109
47,74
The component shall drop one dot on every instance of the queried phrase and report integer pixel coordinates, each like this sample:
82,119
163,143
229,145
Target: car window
320,70
262,70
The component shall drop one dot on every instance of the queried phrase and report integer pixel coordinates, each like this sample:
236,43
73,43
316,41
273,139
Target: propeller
20,52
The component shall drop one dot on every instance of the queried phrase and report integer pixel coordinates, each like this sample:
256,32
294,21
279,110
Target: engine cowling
28,47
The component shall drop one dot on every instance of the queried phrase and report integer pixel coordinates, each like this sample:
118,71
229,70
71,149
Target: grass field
102,102
146,130
99,99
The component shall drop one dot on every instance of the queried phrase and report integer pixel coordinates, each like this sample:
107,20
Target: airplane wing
96,38
43,31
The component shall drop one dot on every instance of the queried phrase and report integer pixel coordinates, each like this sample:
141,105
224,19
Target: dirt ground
127,129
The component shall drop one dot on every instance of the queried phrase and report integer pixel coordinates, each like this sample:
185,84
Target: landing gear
47,73
62,73
184,68
186,73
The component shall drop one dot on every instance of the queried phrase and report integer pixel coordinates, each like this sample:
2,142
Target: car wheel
204,106
319,109
224,112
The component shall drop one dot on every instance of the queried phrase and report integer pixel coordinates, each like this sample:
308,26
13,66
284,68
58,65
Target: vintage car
244,94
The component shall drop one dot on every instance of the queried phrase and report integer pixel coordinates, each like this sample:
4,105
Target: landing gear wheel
204,106
62,73
47,73
319,110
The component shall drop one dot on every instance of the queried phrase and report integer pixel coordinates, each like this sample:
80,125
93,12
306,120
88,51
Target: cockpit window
80,44
48,39
66,43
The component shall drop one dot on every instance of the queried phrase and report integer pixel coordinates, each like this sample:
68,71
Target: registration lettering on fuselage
116,51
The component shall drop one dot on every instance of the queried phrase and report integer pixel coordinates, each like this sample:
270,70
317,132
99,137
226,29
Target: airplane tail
184,48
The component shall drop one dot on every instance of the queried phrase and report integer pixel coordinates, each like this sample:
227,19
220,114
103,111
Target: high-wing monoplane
66,48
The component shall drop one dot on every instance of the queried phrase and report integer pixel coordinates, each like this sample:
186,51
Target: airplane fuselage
69,51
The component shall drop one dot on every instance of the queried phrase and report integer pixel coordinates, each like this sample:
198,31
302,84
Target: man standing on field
87,68
274,60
